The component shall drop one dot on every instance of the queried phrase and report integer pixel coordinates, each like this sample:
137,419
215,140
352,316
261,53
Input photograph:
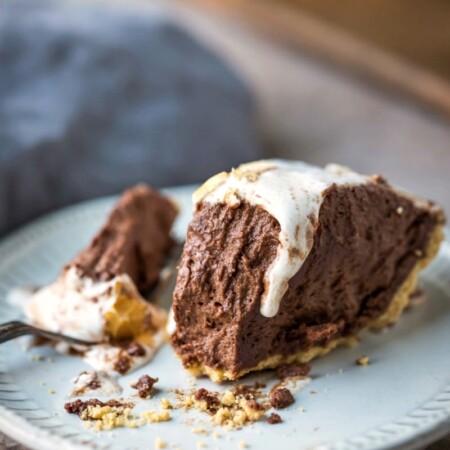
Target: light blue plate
402,400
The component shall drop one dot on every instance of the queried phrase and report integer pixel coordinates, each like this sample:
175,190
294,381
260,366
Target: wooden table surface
415,30
309,110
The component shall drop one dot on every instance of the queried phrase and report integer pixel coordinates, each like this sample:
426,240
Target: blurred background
98,95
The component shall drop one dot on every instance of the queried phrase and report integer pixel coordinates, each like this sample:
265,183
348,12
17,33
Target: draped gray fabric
94,99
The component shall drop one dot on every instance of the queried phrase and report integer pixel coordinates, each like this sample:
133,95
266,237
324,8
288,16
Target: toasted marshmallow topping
104,312
292,192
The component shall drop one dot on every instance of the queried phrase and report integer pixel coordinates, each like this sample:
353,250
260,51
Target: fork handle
12,330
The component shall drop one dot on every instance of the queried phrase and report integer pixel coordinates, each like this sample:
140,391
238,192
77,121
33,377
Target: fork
15,329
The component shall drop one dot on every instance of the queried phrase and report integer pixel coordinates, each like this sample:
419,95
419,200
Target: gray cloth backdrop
93,100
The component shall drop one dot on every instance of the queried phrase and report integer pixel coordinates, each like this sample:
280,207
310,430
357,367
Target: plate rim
30,435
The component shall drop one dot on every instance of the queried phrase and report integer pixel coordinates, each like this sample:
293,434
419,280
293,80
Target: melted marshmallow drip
292,192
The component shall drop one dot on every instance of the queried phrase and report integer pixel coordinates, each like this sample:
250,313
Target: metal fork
15,329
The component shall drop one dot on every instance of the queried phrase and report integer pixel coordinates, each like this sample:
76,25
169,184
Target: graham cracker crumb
199,431
165,404
232,409
253,409
216,435
363,361
228,398
242,444
109,417
159,443
113,414
240,418
201,444
222,416
155,417
51,391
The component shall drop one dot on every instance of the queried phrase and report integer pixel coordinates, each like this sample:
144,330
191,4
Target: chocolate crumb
362,361
211,399
253,404
274,418
123,364
293,370
145,385
281,398
135,349
248,392
78,406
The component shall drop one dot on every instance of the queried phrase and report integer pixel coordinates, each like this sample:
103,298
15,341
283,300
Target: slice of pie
98,295
284,261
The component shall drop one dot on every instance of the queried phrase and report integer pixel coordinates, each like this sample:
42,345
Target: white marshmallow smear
99,383
171,326
78,306
104,357
292,192
67,306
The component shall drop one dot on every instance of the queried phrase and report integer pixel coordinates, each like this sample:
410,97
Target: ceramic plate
401,400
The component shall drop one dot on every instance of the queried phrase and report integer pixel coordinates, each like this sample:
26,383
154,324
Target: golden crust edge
395,309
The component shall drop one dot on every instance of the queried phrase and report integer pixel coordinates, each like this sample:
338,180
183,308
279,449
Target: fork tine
15,329
62,337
